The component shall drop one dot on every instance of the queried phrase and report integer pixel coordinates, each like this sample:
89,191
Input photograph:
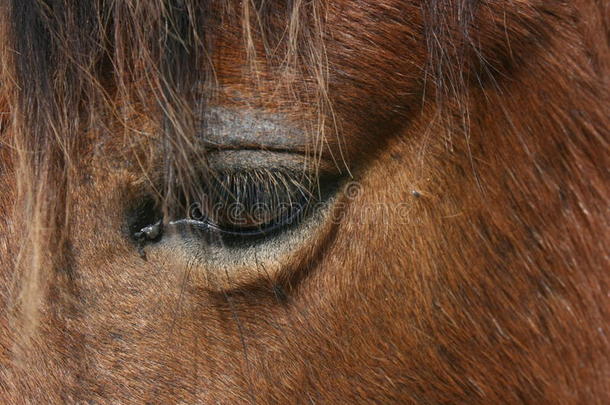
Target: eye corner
144,212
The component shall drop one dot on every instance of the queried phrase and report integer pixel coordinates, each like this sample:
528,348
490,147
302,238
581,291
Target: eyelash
254,202
289,196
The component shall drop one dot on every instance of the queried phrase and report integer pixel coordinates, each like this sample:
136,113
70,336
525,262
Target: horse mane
70,73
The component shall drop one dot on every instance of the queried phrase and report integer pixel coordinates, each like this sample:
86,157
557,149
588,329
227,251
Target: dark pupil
253,200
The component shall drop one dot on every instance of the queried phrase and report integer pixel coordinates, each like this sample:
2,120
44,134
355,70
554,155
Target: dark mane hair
73,71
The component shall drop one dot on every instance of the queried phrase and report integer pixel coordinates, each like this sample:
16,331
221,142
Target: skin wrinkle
250,129
461,259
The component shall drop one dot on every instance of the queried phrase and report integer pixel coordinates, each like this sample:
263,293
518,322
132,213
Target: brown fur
487,121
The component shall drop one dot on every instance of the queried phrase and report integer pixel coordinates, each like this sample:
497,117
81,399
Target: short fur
488,120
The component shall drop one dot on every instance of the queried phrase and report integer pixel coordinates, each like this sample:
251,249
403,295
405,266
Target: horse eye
253,203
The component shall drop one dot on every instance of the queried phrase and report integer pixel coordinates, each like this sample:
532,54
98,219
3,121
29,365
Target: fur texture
485,121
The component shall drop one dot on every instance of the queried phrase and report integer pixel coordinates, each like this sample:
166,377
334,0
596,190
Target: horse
371,201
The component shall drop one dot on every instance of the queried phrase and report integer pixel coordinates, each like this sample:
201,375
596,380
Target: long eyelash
284,194
247,186
292,192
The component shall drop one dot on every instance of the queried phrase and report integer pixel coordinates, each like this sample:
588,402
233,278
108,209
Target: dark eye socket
253,202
